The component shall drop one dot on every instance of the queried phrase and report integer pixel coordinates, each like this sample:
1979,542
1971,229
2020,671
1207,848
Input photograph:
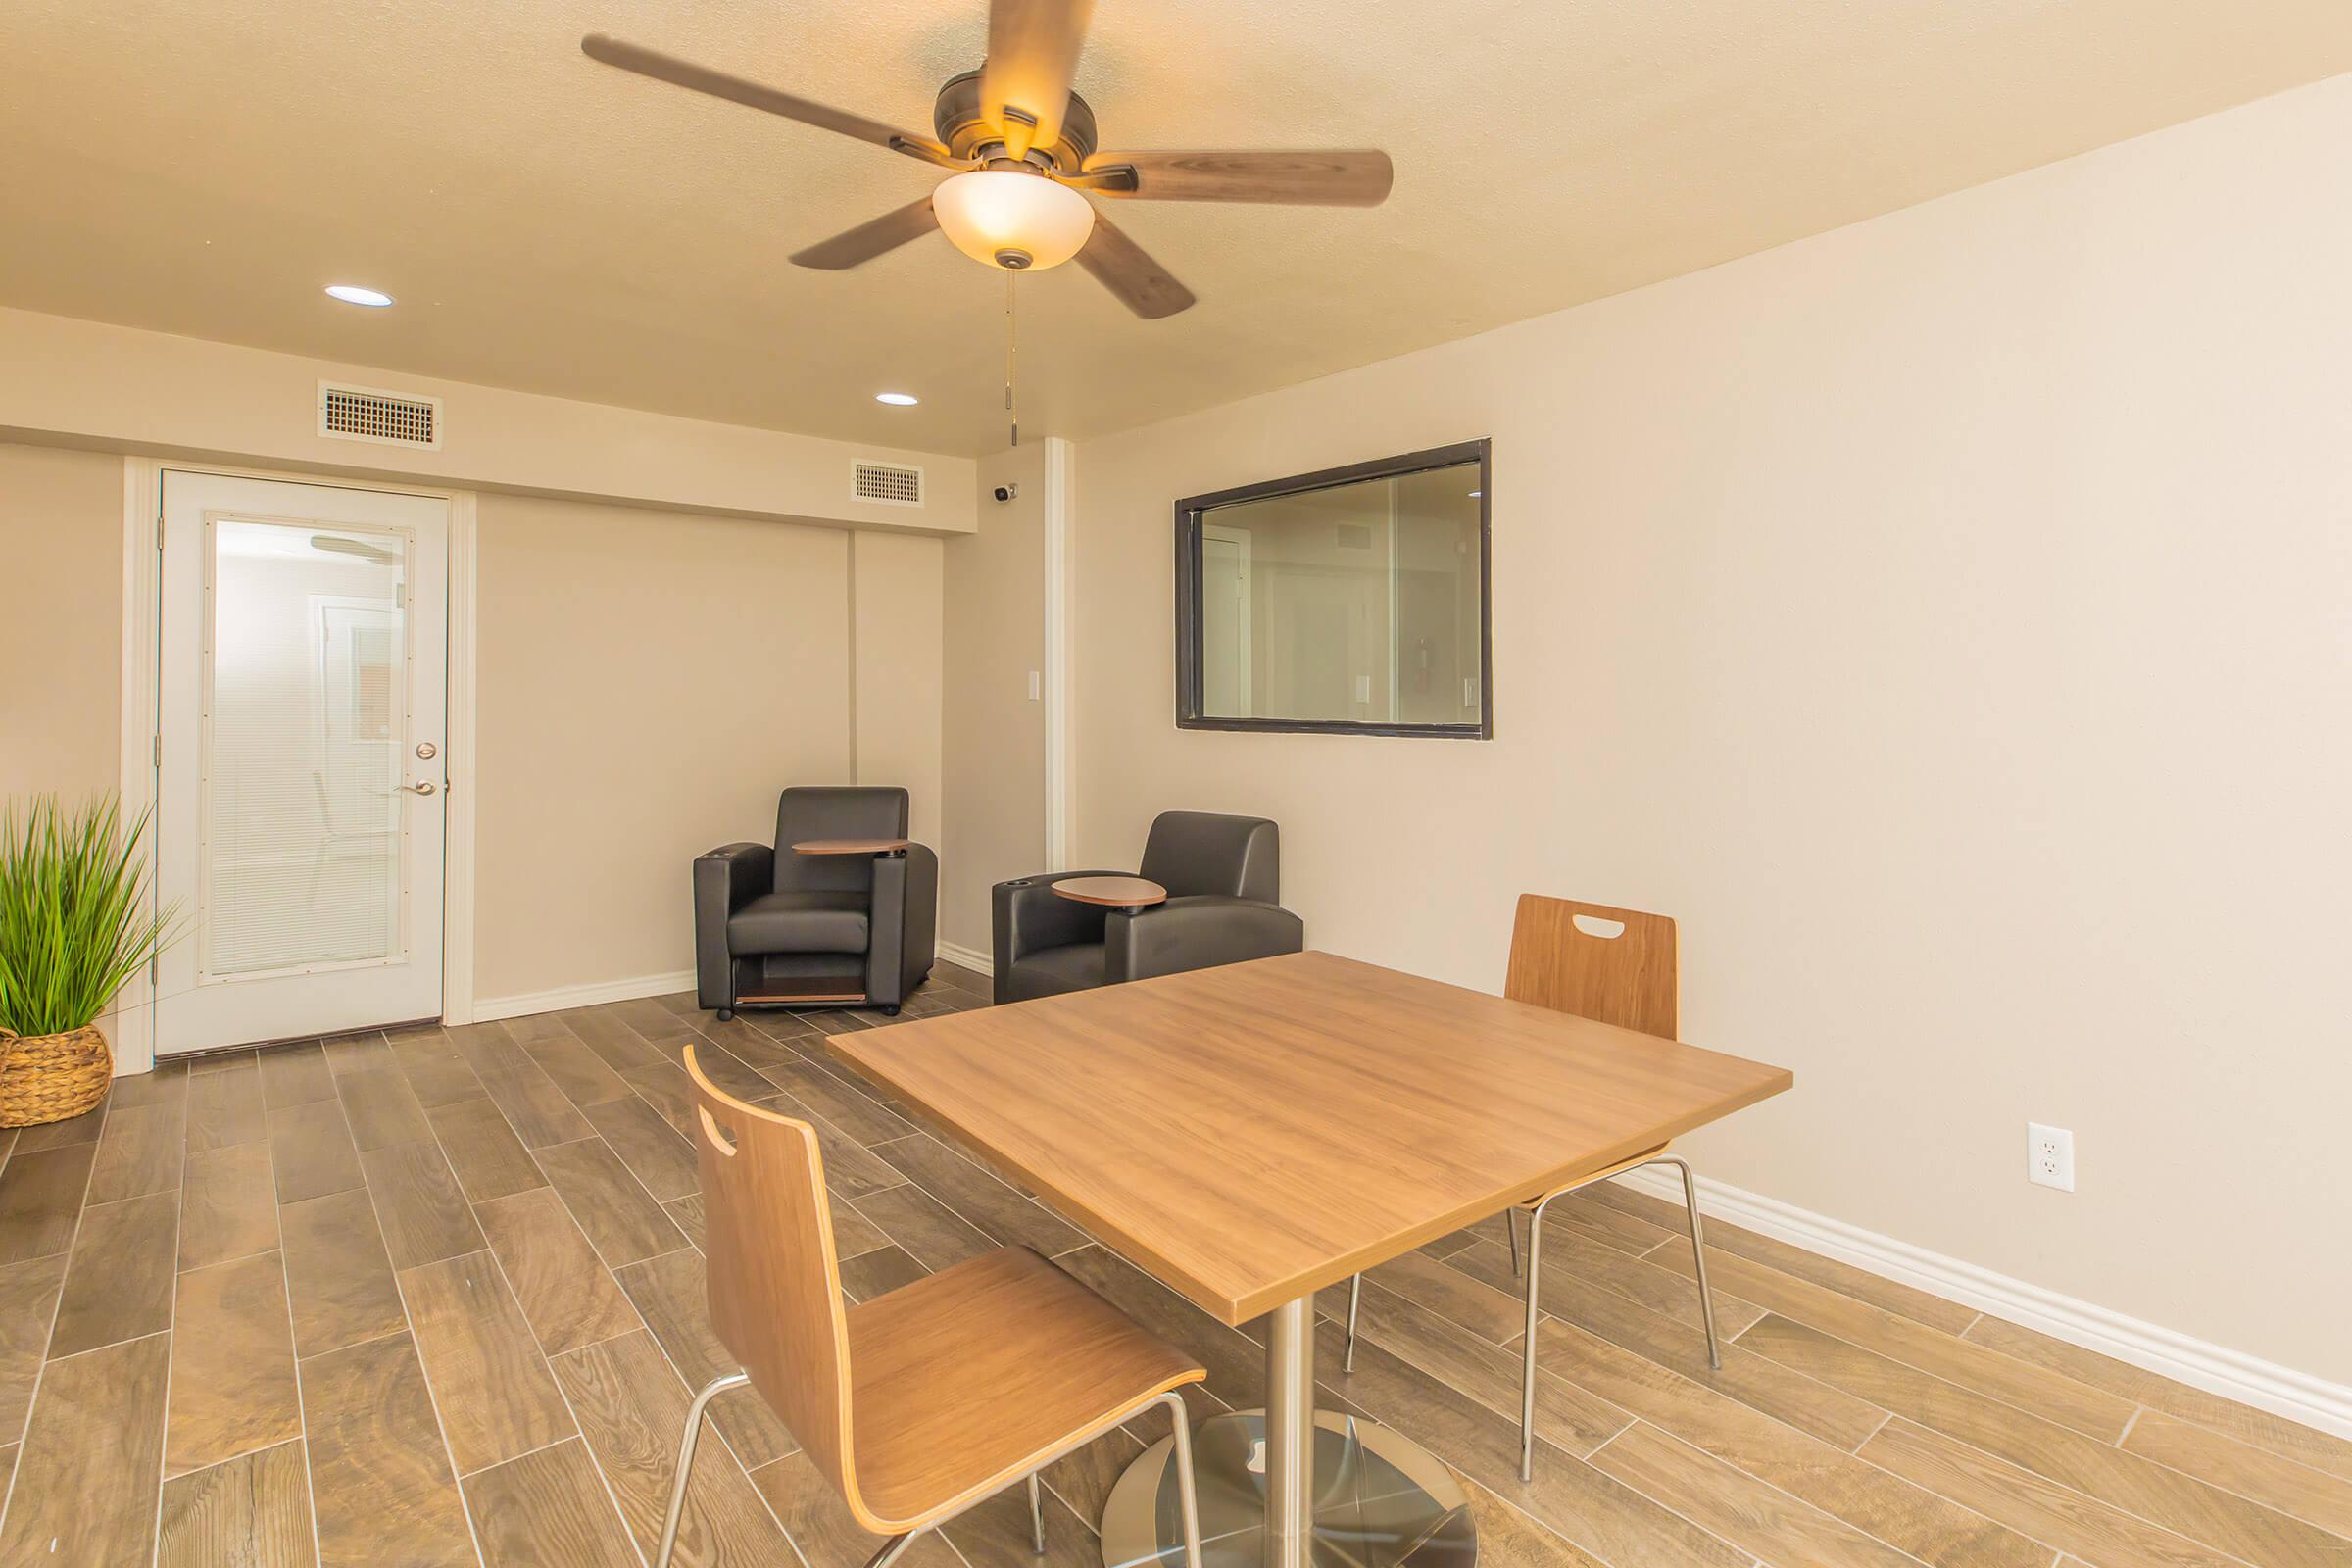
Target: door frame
133,1025
1057,569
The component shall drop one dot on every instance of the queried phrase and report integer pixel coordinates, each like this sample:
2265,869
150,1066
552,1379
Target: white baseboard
957,953
486,1008
2231,1373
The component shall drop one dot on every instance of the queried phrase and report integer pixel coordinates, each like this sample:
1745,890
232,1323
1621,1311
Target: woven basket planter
51,1077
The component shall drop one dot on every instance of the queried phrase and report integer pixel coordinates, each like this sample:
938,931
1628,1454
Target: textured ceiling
555,225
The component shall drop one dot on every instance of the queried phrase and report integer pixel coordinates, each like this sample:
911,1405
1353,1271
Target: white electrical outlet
2049,1156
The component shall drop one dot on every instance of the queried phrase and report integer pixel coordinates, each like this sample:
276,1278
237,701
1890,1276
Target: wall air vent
369,414
894,485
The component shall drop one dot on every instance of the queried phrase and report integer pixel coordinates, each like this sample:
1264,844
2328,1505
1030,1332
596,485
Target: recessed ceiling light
898,400
353,294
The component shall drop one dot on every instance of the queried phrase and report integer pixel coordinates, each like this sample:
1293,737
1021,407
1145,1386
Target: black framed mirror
1347,602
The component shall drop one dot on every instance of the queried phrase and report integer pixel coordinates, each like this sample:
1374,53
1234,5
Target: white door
302,692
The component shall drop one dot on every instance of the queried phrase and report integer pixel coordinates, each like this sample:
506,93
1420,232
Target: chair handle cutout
1593,925
716,1134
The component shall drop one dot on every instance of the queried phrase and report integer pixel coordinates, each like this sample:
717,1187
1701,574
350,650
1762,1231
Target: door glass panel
305,740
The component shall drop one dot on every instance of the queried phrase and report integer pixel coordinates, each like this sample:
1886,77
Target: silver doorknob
422,786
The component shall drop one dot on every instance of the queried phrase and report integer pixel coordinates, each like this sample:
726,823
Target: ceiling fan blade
757,95
1122,266
870,239
1339,177
1032,56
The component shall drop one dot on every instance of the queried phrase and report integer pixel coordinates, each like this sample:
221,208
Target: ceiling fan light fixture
1021,222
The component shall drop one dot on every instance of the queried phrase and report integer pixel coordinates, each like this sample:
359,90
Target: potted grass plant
75,924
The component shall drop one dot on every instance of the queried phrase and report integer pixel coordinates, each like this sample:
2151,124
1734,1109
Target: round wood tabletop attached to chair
852,846
1119,892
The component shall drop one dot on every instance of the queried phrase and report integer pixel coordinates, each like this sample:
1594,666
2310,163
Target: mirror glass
1360,604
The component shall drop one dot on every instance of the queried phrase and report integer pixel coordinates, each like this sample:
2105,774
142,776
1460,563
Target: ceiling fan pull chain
1013,339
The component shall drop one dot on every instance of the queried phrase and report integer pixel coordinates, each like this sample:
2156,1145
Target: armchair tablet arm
724,881
1197,933
903,924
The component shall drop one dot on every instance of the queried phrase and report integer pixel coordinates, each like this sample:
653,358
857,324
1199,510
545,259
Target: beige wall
121,388
993,736
649,670
647,683
61,621
895,619
1945,619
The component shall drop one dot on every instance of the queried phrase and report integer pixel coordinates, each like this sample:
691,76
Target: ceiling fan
1022,146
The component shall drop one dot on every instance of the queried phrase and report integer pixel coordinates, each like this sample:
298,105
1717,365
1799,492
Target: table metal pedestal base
1381,1501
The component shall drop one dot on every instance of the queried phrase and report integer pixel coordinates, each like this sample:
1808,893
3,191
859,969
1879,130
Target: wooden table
1252,1133
1118,892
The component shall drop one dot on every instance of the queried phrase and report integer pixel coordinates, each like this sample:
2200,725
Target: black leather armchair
780,929
1223,878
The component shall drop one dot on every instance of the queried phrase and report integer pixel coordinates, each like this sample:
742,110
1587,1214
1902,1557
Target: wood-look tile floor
433,1297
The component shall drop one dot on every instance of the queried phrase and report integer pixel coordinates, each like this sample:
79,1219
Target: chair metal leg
1188,1498
1355,1299
1510,1224
693,1431
892,1548
1037,1517
1698,1254
1527,1368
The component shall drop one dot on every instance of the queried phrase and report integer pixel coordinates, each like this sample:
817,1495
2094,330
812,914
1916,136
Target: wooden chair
1614,966
923,1402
